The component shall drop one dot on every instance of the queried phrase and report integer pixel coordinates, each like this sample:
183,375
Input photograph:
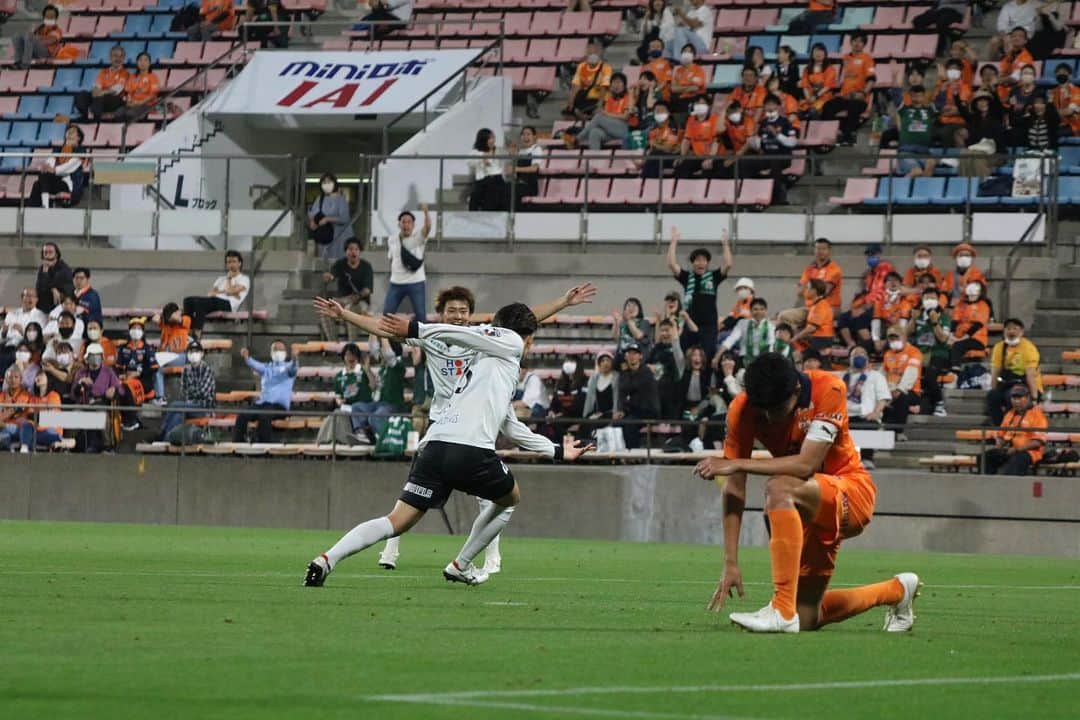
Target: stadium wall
916,511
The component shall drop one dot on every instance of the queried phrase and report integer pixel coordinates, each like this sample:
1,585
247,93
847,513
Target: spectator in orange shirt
217,16
819,331
789,105
590,83
660,67
1019,444
990,81
12,418
43,42
1016,57
902,366
971,325
31,435
175,335
1066,99
922,263
750,94
876,272
951,99
141,91
700,139
818,13
688,82
856,90
663,143
107,95
892,310
823,268
736,131
610,122
954,282
819,82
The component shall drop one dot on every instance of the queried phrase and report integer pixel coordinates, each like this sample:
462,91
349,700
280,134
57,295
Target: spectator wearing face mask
65,329
12,418
657,27
31,434
611,121
26,364
893,309
602,398
922,262
198,390
93,384
1066,100
16,322
1020,443
43,42
868,396
94,334
736,129
589,84
744,296
775,140
329,219
951,98
931,333
137,366
956,281
688,82
902,367
664,141
275,392
1014,361
61,369
971,321
660,67
701,142
667,362
1023,95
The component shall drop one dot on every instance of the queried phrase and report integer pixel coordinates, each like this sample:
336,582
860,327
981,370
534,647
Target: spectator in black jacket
640,395
694,396
666,361
355,279
54,280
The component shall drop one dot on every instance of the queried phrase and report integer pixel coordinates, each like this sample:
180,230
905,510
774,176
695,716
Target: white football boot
901,616
470,574
766,620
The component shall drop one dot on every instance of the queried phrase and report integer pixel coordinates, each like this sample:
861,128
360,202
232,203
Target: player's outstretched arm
328,307
497,342
577,295
574,448
809,460
734,495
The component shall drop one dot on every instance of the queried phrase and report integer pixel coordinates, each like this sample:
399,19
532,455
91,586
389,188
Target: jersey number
462,385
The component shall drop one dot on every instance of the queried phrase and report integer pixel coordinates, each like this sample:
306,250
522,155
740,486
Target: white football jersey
446,364
479,405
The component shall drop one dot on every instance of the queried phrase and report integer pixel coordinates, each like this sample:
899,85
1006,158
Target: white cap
95,349
744,282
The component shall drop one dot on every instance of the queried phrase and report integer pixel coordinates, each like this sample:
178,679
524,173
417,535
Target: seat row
939,191
518,24
636,192
21,134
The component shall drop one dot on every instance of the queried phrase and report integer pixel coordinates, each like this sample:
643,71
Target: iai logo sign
325,82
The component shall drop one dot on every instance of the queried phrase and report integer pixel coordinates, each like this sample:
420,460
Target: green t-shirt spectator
353,387
392,381
783,348
922,336
915,125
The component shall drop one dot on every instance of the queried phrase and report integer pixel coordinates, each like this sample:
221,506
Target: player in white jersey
446,363
458,451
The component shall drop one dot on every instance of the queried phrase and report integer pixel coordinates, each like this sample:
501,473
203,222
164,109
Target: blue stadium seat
13,164
138,25
99,52
784,21
956,191
853,19
799,43
24,134
986,200
68,79
5,130
923,191
161,24
767,43
1070,159
51,133
60,105
1069,190
133,48
896,187
31,107
726,75
160,49
831,42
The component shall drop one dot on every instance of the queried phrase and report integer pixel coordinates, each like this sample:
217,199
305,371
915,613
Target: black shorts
441,468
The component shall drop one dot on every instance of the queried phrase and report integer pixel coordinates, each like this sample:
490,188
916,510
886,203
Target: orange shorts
847,504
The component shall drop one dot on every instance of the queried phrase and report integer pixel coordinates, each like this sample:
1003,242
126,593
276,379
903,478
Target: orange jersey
821,317
822,399
751,101
741,308
1013,62
661,69
1018,429
618,105
789,108
142,89
1061,98
174,338
814,81
896,362
911,277
110,78
737,135
829,273
19,397
956,94
51,36
857,71
687,75
822,6
51,400
664,135
892,312
596,79
225,10
964,317
953,284
701,134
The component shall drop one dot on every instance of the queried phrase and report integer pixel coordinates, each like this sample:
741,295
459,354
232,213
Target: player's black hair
517,317
456,292
770,381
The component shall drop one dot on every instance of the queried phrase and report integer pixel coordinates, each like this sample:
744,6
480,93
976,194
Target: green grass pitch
112,621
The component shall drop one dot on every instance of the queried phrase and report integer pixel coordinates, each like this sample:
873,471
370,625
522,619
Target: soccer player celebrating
818,494
458,451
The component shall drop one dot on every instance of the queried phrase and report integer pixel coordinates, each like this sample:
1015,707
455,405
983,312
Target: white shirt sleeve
523,437
534,393
494,341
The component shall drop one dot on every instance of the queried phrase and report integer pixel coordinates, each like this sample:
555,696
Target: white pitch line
439,698
402,576
565,710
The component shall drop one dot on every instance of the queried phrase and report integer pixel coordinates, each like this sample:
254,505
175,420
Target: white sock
359,538
491,552
488,524
391,549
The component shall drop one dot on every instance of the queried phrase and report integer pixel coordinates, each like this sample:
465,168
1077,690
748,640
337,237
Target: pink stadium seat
889,46
138,133
109,134
543,50
650,190
821,133
214,78
556,191
214,49
920,46
760,18
730,19
422,44
486,29
855,191
517,24
36,79
594,162
515,51
686,191
541,79
89,133
337,44
81,26
721,192
571,50
797,168
546,23
394,45
913,11
562,162
890,75
729,47
575,23
109,24
9,104
624,191
605,23
12,79
632,73
186,53
885,163
887,17
623,162
516,75
178,76
755,192
595,190
9,7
